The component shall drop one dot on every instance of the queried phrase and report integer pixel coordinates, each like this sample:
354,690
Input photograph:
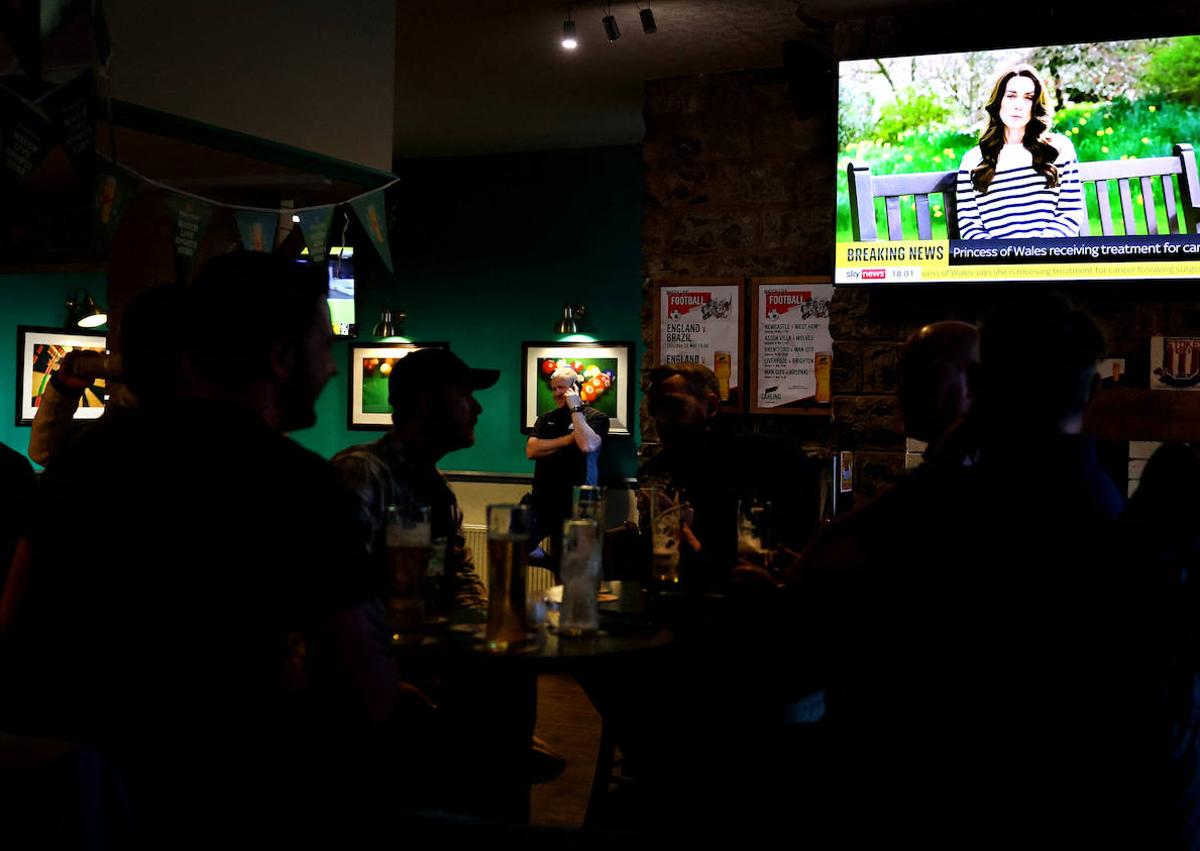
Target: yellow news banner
913,261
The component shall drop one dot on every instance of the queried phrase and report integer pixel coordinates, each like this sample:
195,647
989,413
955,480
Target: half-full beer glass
409,534
508,543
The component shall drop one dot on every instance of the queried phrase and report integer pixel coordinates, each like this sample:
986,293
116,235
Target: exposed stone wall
738,185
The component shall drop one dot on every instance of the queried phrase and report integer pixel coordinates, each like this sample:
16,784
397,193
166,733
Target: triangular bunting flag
189,221
24,137
370,211
72,112
314,224
257,229
114,190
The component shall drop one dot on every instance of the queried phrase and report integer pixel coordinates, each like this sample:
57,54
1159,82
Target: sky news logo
873,274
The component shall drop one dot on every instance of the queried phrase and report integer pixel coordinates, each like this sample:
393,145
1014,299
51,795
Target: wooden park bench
865,188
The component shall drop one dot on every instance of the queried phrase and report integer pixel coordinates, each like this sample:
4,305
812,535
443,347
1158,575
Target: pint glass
408,539
508,544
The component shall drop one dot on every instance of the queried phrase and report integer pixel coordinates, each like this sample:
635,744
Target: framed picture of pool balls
605,372
40,351
369,369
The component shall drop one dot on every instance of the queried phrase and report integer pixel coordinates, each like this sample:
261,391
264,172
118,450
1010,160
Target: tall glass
755,538
580,571
409,534
508,544
588,503
666,519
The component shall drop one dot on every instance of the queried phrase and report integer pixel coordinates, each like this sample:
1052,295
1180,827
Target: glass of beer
580,570
722,367
508,542
823,366
409,533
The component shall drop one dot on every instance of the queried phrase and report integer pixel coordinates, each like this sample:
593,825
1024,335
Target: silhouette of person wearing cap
434,412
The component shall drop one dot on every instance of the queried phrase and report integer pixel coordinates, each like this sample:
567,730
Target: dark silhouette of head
1037,368
149,339
683,399
257,331
932,386
434,409
1168,496
992,140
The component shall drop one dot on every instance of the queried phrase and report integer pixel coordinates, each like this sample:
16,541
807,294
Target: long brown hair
992,140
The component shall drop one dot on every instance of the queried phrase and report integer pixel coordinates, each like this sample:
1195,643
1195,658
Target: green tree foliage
909,112
1173,72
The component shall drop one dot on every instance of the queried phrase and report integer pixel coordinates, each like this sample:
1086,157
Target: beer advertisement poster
700,321
1175,363
792,348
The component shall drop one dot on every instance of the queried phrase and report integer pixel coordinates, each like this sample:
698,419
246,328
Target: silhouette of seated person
1161,559
932,384
199,607
712,467
960,641
933,393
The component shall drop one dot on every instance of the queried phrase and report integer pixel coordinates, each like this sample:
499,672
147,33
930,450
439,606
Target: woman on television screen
1021,180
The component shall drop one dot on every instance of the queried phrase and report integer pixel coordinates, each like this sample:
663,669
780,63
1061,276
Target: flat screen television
1054,163
341,291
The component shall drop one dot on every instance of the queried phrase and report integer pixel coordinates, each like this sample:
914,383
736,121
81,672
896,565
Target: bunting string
167,187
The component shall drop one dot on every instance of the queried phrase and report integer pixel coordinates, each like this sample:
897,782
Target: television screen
1067,162
341,291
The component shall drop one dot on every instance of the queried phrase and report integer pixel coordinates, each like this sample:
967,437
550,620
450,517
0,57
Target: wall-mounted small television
341,291
1054,163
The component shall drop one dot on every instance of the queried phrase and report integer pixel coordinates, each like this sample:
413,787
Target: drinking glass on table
755,542
667,511
409,534
508,543
580,571
588,503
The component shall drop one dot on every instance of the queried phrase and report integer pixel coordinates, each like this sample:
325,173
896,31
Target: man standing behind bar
191,552
433,412
565,449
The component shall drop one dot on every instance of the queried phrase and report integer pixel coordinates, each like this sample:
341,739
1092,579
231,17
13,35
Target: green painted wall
487,249
32,299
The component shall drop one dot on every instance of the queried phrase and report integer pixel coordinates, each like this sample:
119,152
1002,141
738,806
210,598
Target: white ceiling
489,76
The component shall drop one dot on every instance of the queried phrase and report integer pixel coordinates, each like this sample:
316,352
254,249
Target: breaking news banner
1106,257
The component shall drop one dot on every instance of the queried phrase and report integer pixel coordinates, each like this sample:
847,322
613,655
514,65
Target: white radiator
538,578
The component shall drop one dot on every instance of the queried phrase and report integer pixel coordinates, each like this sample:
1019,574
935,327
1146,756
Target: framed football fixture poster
699,320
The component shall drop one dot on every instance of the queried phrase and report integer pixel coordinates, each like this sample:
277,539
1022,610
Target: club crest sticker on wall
1175,363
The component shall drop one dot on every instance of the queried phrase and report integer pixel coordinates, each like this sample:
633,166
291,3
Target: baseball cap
436,367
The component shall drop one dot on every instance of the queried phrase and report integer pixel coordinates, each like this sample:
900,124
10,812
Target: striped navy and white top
1018,204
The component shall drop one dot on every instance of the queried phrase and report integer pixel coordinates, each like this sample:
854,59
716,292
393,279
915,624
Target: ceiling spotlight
568,39
648,25
610,27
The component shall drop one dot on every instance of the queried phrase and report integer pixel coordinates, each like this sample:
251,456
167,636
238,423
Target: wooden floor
567,721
